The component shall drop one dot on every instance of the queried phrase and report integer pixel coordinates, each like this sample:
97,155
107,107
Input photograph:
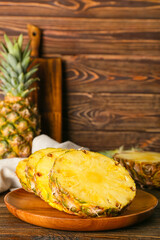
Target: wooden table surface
13,228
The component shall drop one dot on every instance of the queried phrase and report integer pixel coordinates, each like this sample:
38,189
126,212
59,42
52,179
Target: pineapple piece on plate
90,184
31,165
42,170
20,172
143,166
19,118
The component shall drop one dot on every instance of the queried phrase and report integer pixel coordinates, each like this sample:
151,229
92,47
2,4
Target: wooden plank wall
111,64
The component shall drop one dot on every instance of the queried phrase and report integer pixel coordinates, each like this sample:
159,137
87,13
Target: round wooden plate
30,208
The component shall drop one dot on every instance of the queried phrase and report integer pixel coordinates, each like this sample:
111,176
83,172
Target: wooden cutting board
49,94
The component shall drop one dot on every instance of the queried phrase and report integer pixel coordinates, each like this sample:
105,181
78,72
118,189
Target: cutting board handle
35,37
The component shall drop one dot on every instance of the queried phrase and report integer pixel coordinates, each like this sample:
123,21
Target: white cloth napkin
8,178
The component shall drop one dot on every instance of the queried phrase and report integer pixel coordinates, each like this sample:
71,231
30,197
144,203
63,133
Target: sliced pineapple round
20,172
42,170
90,184
31,164
144,167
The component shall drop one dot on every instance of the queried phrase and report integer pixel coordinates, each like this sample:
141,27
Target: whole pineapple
19,118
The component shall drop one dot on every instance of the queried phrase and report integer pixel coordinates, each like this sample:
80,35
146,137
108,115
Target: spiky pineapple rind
17,130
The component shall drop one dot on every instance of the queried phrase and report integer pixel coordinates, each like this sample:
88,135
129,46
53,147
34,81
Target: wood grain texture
106,73
101,140
35,37
13,228
90,36
111,58
49,97
106,111
79,8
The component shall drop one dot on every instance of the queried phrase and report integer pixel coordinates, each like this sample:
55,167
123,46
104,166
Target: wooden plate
32,209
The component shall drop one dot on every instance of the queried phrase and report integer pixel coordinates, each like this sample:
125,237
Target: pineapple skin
19,124
20,172
73,205
145,174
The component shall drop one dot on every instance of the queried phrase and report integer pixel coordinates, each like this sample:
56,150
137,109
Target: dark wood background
111,64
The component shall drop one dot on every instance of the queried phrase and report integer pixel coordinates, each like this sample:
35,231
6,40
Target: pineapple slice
31,164
144,167
90,184
20,172
42,170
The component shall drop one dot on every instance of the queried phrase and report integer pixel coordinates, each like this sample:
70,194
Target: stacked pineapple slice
19,118
79,182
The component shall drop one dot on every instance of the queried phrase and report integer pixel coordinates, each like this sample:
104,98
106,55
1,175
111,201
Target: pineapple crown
15,76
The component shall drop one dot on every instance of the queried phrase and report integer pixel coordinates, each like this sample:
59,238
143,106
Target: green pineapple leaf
19,68
20,41
4,48
13,74
4,54
30,81
25,63
31,72
5,73
9,44
6,66
28,91
5,82
16,76
12,60
14,82
20,87
27,52
17,52
14,92
4,89
21,78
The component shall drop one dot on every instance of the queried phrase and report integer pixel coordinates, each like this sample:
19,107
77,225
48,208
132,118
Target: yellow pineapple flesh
90,184
20,172
31,165
78,182
41,178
